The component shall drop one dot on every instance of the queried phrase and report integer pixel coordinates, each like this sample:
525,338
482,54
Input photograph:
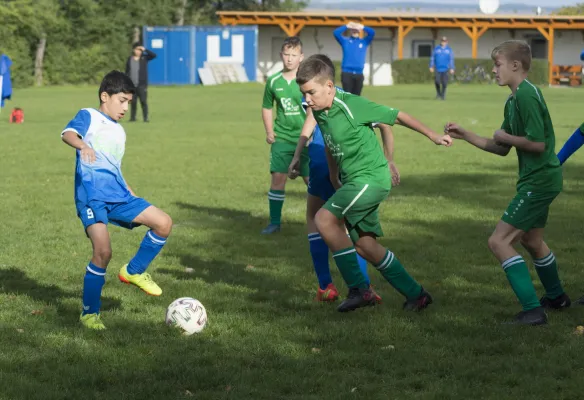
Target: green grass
203,160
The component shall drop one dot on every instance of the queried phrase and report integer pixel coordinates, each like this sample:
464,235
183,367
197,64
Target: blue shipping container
181,50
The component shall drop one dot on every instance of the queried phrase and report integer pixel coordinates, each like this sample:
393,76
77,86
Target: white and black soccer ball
187,314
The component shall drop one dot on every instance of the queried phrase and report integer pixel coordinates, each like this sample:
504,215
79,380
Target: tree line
54,42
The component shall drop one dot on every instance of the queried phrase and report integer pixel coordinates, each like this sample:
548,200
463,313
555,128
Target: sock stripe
344,253
275,198
313,234
512,261
312,239
546,261
155,240
386,261
276,195
94,271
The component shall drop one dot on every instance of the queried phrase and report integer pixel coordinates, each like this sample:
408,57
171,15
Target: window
422,48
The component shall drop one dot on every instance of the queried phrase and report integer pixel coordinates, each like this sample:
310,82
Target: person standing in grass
527,126
102,195
320,189
282,135
353,153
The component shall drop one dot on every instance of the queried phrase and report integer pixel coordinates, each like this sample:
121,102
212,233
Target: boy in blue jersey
102,195
320,190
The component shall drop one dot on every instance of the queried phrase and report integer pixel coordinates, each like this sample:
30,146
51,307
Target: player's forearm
73,140
387,139
410,122
333,167
309,125
525,144
302,140
486,144
268,119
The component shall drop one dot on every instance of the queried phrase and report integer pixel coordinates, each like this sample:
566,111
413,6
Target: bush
416,70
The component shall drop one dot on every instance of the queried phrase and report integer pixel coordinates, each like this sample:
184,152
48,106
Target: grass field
203,159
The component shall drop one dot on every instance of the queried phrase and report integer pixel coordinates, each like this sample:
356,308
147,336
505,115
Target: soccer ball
186,314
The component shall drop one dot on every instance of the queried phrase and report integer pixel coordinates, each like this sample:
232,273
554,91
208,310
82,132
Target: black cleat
536,316
272,228
559,303
358,298
580,301
419,303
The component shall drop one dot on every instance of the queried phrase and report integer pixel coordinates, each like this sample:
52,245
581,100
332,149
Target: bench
570,74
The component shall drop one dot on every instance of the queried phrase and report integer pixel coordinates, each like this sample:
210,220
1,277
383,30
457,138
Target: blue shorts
319,182
121,214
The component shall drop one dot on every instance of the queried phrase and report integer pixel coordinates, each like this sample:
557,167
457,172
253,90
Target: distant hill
413,6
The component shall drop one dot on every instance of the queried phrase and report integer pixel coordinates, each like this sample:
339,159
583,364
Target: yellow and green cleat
143,281
92,321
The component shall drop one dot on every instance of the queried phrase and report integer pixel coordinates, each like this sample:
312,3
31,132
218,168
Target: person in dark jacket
137,70
354,53
442,62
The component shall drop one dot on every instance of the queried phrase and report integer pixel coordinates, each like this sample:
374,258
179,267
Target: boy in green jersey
354,151
527,126
284,133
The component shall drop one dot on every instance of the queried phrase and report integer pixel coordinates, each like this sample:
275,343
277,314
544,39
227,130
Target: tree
578,9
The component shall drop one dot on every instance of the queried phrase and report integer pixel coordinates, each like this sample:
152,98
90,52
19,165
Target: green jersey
526,115
347,132
290,114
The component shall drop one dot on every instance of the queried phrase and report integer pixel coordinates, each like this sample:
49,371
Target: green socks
547,270
398,277
520,280
276,199
348,264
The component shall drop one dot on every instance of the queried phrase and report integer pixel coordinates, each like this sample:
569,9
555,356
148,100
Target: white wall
567,47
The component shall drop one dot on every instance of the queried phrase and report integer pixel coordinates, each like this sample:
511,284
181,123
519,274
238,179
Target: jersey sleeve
268,102
366,112
506,126
79,124
532,118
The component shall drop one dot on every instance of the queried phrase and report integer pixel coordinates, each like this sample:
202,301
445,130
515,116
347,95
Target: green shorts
281,156
358,203
529,210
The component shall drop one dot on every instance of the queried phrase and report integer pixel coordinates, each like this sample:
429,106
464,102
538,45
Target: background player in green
352,147
284,133
527,126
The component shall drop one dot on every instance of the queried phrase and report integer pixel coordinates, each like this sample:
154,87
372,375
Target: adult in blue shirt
442,62
354,52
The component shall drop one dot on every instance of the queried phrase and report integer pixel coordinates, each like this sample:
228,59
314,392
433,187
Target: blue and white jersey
102,180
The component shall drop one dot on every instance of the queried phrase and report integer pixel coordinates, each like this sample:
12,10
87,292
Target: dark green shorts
358,204
281,155
529,210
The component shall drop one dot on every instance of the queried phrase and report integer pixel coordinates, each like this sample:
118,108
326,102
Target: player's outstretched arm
388,147
410,122
72,139
483,143
572,144
268,119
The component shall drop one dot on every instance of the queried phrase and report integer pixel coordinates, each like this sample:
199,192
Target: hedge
415,70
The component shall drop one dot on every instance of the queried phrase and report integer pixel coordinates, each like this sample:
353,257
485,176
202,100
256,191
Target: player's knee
531,243
495,243
102,256
322,220
164,225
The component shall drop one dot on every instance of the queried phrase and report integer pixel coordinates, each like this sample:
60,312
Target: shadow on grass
15,282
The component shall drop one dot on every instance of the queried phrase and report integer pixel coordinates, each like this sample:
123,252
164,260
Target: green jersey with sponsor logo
290,114
527,115
348,134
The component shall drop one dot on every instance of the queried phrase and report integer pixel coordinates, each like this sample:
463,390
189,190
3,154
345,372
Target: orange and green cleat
329,294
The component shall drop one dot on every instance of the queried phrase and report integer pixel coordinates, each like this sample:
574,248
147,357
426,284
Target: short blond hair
514,50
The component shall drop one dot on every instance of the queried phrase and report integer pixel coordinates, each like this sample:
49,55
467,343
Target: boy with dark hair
102,195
